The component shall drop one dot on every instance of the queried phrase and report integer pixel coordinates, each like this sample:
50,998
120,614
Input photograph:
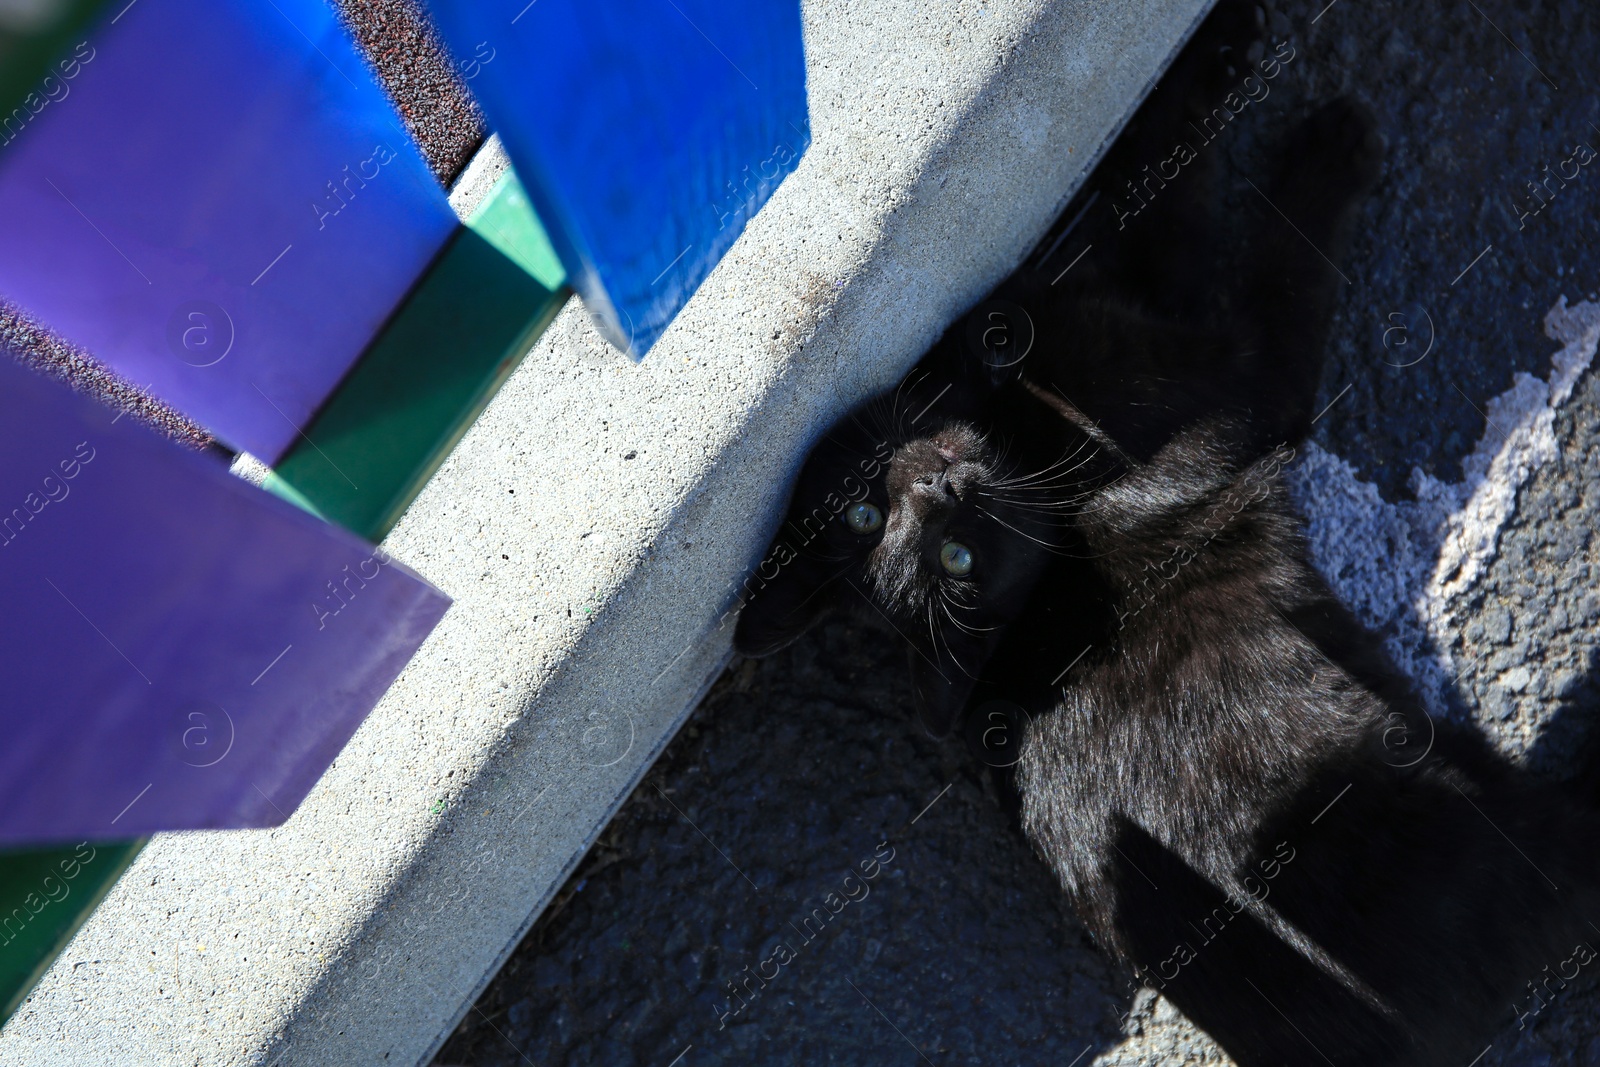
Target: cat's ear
940,691
775,611
997,336
977,357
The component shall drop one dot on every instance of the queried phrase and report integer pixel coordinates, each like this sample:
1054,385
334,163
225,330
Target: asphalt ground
796,768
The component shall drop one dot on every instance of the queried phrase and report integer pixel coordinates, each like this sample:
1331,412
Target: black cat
1245,803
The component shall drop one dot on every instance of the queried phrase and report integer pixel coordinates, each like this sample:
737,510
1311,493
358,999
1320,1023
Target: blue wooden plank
647,133
223,207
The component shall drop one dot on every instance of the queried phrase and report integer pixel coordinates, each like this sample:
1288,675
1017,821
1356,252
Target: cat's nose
937,484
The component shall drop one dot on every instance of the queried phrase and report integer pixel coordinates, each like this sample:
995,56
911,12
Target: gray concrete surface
1482,570
591,528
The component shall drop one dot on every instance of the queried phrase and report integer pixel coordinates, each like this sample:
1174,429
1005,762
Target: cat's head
935,506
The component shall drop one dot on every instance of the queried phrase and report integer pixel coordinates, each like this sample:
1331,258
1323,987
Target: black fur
1244,801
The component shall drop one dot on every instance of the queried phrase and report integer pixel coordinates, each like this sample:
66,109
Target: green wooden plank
45,895
432,370
506,219
274,484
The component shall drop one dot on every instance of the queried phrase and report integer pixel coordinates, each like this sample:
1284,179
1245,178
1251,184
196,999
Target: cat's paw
1227,46
1339,147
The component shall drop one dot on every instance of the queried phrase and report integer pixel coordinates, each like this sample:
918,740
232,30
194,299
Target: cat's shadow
1565,752
1255,1027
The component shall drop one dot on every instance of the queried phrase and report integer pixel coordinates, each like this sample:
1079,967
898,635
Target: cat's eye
863,518
956,559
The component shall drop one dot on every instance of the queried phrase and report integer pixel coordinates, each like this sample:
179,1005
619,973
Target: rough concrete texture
478,178
797,770
1482,569
592,528
1414,569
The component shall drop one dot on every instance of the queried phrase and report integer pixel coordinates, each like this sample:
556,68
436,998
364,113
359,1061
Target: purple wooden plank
183,650
221,206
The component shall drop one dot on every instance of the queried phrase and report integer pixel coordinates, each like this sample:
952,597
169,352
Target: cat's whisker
896,428
1051,473
874,424
949,652
1045,497
1004,459
1043,476
1057,509
896,415
1054,549
946,605
1029,502
935,632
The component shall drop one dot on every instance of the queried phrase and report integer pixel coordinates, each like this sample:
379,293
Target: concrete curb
592,528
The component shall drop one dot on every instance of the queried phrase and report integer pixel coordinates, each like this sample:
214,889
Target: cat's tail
1567,748
1586,782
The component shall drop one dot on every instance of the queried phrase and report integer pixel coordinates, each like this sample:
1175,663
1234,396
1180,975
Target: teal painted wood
45,895
400,412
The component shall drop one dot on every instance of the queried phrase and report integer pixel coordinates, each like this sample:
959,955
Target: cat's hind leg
1149,216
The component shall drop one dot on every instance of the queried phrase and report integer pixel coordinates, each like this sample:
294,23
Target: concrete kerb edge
577,858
